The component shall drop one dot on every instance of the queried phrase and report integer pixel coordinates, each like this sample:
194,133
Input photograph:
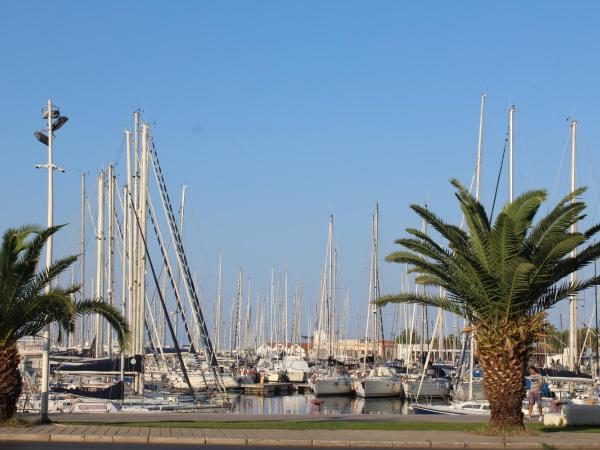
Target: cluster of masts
126,232
269,322
121,230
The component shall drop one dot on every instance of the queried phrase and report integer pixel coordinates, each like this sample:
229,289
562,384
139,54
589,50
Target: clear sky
277,112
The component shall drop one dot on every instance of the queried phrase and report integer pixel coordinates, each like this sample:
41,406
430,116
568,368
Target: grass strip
331,425
298,425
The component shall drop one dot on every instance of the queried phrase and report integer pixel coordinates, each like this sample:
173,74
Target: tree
405,337
30,300
502,277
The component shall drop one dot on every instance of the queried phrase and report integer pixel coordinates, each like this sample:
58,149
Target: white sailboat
381,381
331,383
328,381
576,411
468,408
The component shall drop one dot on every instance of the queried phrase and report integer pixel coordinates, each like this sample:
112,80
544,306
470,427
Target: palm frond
107,312
503,272
28,301
422,299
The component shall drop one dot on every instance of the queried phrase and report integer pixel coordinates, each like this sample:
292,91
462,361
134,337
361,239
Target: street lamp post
50,113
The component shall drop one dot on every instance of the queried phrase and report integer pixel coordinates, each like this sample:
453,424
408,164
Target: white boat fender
555,420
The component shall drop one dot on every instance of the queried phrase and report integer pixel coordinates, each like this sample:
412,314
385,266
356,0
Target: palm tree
29,301
502,277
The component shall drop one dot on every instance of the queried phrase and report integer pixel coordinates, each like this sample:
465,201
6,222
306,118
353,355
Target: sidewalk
291,438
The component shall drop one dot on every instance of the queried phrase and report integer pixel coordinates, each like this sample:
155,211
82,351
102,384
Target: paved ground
93,434
91,446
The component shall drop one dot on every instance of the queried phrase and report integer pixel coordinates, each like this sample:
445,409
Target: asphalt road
75,446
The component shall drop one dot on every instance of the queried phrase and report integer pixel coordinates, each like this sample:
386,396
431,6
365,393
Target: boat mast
477,197
128,201
259,322
320,314
136,238
370,307
124,263
272,306
480,148
423,307
285,309
82,249
219,300
247,335
334,313
161,318
511,131
596,313
573,277
406,308
346,312
238,319
143,205
181,216
231,337
111,250
100,262
329,291
376,291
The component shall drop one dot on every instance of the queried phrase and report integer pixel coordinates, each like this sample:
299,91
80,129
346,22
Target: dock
302,388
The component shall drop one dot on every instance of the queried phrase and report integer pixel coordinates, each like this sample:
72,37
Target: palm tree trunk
503,352
10,381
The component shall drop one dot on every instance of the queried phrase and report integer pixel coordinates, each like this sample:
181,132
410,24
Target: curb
280,442
91,438
176,440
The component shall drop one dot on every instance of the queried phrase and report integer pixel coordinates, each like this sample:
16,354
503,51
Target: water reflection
302,404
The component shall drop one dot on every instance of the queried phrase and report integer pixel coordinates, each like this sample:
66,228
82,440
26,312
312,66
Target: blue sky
275,113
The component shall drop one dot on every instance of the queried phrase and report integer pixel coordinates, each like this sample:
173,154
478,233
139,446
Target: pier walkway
132,433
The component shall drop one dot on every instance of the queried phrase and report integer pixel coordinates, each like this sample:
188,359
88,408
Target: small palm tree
27,305
502,277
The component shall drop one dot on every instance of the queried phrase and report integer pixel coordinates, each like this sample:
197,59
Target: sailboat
585,410
380,381
328,381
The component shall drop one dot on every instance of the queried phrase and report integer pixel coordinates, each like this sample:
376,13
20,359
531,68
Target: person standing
535,391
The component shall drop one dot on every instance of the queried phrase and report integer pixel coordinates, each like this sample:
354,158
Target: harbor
183,358
300,225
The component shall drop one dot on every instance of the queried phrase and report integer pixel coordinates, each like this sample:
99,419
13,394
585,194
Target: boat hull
198,382
378,387
582,413
430,388
296,377
332,386
432,410
112,392
272,377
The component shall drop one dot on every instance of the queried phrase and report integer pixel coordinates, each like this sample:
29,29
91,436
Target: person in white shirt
535,391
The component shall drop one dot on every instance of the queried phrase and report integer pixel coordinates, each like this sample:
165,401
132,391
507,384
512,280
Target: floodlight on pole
40,136
58,123
49,112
